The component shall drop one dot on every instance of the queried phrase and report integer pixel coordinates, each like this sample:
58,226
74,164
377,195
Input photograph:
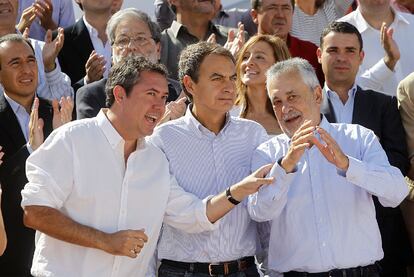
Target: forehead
341,40
149,80
215,63
276,2
132,25
15,49
287,83
260,46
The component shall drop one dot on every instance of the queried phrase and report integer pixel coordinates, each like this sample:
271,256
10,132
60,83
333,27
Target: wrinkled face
215,91
256,61
8,12
144,107
340,57
294,102
274,17
133,37
195,6
18,73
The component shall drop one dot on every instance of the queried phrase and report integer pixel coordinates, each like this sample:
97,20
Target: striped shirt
309,27
205,164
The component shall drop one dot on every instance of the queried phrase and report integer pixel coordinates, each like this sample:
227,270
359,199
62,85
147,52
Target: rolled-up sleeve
49,172
187,212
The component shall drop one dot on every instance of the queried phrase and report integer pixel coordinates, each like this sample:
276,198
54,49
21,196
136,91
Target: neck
375,17
25,101
257,99
99,21
340,89
213,122
307,6
5,30
197,25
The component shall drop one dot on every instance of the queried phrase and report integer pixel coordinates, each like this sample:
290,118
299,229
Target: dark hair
15,38
343,28
127,73
193,56
131,13
257,4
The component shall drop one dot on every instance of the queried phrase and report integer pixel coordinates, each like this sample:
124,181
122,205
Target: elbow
29,218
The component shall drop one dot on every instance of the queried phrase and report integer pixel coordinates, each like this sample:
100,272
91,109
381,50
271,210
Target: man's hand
1,155
174,110
125,243
36,137
235,42
51,49
44,11
392,52
331,150
252,183
95,67
27,18
301,140
62,114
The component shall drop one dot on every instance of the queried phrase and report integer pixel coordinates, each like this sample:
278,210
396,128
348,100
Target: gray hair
298,65
131,13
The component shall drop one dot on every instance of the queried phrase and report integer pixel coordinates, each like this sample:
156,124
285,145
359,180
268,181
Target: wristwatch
230,197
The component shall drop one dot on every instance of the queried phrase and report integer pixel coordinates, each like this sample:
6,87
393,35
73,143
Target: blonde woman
257,55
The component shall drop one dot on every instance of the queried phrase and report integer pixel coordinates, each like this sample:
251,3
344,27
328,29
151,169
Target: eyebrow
18,58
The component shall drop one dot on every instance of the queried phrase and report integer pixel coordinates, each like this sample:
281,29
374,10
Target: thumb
26,33
48,36
263,171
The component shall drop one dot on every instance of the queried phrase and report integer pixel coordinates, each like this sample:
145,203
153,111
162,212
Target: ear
189,84
319,54
253,14
317,92
361,56
119,94
158,49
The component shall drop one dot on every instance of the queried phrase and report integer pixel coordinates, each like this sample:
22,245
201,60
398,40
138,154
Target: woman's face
255,62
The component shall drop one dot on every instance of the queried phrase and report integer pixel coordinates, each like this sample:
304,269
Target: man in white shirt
103,200
383,30
322,212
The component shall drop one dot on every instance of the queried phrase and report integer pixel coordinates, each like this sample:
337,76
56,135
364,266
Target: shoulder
350,18
352,131
375,96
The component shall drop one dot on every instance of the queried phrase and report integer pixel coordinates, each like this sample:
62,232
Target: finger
383,31
40,125
230,36
55,105
48,36
212,38
93,58
304,130
263,171
26,33
139,234
265,181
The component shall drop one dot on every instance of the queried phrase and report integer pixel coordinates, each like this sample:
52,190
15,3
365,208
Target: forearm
3,238
57,225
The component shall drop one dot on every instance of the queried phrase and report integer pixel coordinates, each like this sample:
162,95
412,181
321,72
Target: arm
55,224
186,212
3,238
87,105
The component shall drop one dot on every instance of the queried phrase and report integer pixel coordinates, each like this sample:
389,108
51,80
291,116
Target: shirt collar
332,94
176,27
92,31
198,128
16,107
362,25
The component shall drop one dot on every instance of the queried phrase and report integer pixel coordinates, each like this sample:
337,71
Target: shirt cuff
356,170
53,76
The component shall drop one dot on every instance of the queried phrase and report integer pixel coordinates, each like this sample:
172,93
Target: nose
26,67
230,86
286,108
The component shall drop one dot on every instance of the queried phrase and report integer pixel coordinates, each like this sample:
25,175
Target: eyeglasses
124,41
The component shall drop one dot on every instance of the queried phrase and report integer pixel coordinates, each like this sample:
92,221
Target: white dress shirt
80,171
323,218
373,73
63,15
101,48
205,163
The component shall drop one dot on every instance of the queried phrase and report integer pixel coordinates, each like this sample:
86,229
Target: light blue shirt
323,218
206,164
343,112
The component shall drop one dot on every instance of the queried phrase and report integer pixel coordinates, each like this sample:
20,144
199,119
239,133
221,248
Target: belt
360,271
213,269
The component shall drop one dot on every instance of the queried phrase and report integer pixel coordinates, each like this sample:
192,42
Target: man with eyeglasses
130,32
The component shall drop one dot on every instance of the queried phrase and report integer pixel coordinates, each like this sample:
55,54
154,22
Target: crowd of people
271,141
